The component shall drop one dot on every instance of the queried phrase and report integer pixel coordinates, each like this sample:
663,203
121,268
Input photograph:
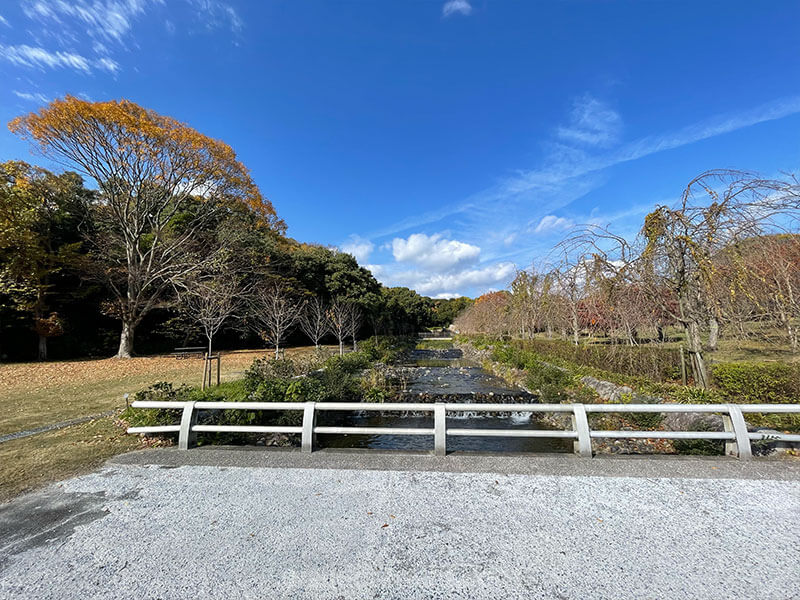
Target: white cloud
446,296
216,14
591,123
454,283
109,19
456,7
377,270
107,64
3,21
359,247
32,96
29,56
433,252
552,223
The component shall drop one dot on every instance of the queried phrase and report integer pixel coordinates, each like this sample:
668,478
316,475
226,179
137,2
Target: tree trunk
126,340
42,347
355,347
341,346
37,317
277,349
575,331
792,337
696,348
713,334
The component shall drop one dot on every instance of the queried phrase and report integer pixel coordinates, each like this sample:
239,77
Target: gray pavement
407,526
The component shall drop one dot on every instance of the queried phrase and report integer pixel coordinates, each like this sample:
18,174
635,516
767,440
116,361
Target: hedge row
758,383
658,364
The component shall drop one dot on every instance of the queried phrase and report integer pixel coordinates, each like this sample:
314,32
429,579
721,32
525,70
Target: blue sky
445,144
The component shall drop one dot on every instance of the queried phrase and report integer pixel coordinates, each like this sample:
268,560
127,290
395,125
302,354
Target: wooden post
683,367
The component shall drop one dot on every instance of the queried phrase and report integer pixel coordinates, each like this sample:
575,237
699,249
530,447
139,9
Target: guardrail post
187,437
734,421
309,419
439,429
583,446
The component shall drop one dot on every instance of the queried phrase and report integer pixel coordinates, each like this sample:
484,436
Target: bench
196,351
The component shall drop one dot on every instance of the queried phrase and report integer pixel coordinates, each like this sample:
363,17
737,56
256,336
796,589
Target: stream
445,376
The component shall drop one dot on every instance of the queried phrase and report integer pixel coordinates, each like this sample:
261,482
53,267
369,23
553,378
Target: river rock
692,422
605,389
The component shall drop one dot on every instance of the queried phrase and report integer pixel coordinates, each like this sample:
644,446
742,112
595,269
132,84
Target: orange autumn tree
161,184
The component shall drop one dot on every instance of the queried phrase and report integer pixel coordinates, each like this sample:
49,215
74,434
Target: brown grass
28,463
37,394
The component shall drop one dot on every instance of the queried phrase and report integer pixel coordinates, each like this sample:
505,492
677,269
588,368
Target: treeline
725,261
175,246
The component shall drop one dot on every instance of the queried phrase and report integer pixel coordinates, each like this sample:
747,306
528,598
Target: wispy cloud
591,123
109,19
105,26
552,223
216,14
32,97
30,56
562,169
4,22
456,7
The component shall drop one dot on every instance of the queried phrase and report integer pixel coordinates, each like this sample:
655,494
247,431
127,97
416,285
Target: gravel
150,531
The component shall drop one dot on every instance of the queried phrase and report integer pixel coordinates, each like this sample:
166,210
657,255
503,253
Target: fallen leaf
384,525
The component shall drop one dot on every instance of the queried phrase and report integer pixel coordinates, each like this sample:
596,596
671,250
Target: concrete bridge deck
229,523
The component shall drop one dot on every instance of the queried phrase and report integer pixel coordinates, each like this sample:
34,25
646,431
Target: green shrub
550,381
758,383
386,349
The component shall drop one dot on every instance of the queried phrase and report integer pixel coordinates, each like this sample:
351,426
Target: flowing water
445,376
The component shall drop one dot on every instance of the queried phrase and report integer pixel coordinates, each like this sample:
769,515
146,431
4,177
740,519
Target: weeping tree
160,181
718,210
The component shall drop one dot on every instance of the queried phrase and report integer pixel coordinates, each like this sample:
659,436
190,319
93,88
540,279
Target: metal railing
736,435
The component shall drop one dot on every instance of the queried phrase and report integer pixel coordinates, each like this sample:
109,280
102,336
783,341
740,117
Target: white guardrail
736,436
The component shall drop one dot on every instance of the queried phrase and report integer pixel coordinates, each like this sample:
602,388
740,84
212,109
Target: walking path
77,421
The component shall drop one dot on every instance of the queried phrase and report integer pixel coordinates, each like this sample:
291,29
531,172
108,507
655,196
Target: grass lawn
37,394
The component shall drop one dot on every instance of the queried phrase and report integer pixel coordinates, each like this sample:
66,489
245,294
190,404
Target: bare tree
353,320
314,320
274,311
211,300
338,316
